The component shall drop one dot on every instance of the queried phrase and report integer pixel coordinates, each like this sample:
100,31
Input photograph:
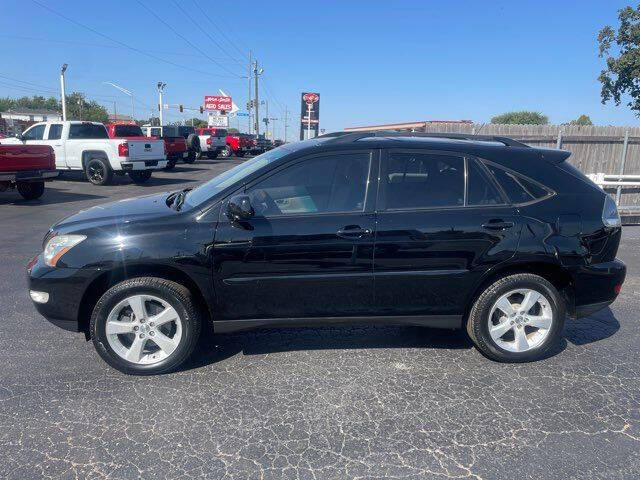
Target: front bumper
65,288
596,286
143,165
28,175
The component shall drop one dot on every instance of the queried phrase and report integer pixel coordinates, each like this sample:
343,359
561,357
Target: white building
31,115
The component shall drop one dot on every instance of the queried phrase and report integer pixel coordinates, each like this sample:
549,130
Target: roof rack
349,137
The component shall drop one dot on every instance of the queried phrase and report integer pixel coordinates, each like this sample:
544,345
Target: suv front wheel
517,319
145,326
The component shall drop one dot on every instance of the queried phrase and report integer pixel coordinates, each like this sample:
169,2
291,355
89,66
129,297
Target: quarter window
34,133
480,191
414,180
336,183
517,188
55,131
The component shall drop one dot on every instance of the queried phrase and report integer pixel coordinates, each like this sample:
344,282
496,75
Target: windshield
207,190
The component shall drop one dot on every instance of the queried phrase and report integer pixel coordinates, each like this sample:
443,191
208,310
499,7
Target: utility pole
115,112
286,122
161,86
266,118
273,127
63,97
249,100
257,102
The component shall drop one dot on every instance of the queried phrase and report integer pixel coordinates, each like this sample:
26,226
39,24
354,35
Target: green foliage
78,108
622,75
8,103
233,131
197,122
582,120
522,117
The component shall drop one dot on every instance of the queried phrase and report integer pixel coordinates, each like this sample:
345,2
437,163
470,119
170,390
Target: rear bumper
28,176
596,286
143,164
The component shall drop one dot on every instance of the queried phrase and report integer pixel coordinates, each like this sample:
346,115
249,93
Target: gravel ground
335,402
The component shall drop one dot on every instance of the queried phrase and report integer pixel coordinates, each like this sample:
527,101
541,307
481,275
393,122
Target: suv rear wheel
145,326
517,319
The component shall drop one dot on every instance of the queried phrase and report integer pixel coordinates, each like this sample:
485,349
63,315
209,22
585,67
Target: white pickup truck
86,146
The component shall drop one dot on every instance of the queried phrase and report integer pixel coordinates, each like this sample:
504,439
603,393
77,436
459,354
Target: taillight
123,150
208,140
610,215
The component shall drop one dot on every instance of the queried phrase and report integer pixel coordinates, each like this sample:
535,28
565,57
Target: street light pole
161,86
63,96
126,92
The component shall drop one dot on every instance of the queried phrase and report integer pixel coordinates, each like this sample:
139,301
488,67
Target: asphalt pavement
323,403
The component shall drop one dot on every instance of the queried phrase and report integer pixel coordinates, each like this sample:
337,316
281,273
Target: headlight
57,246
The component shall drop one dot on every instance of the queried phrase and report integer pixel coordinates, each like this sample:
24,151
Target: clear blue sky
371,61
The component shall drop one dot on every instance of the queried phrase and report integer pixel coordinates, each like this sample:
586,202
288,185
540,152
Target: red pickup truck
26,167
237,144
175,148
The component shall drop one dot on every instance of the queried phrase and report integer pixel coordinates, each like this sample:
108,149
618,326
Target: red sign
217,102
310,98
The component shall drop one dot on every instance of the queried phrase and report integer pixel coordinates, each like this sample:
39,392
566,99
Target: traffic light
181,108
250,105
223,112
201,110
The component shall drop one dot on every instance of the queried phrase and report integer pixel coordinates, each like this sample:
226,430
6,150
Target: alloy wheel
96,172
520,320
143,329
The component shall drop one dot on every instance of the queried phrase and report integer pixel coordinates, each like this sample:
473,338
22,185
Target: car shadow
595,327
183,168
215,348
51,195
155,181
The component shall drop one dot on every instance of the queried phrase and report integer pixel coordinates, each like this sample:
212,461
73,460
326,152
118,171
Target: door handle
353,231
497,225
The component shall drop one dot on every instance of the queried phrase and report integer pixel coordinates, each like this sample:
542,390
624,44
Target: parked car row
101,151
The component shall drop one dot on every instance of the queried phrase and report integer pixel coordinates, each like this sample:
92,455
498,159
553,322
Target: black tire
225,152
240,154
199,154
140,176
478,321
170,165
193,142
174,294
98,171
212,155
191,158
30,190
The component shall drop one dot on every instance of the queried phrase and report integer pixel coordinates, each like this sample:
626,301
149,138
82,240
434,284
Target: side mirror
19,137
239,208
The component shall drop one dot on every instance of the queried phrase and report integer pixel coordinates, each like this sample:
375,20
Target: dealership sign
309,114
217,102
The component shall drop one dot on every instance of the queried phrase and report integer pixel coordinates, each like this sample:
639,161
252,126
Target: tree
78,108
8,103
197,122
522,117
622,75
582,120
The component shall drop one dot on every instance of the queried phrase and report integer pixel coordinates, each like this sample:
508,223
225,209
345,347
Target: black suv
480,233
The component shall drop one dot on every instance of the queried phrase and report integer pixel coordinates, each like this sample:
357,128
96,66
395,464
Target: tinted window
87,130
517,188
414,180
186,131
127,131
156,132
34,133
335,183
480,191
55,131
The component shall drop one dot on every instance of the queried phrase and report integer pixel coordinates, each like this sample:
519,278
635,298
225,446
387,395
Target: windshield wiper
179,199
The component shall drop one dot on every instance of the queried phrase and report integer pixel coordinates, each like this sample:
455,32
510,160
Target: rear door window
422,180
55,131
518,188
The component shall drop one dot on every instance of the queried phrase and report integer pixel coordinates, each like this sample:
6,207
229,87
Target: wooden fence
593,149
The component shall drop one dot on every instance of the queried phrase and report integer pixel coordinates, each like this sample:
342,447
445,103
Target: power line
206,15
270,92
134,49
103,45
186,14
185,39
